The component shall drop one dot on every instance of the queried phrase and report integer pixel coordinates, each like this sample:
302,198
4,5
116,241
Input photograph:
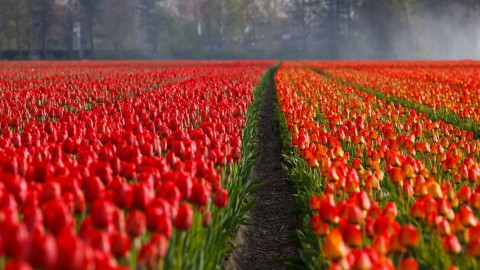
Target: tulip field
383,185
125,164
147,165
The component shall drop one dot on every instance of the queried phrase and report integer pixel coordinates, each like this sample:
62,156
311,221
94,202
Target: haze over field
192,29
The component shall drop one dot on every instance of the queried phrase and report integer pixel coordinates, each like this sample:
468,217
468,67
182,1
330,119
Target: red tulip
14,238
184,217
157,220
17,265
328,212
56,216
141,196
319,227
101,213
362,261
160,243
120,244
382,244
409,236
221,198
199,194
148,256
136,224
314,203
71,253
396,175
464,194
408,264
32,216
451,244
353,213
40,250
474,248
352,235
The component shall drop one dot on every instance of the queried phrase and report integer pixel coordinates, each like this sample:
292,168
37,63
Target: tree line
197,29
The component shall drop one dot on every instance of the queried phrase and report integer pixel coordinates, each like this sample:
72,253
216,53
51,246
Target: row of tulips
448,90
133,165
47,91
385,185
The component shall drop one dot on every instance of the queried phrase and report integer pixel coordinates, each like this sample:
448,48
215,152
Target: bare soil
256,246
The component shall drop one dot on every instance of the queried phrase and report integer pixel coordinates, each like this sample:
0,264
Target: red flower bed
105,164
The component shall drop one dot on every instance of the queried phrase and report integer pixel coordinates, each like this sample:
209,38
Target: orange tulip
418,210
467,217
434,189
390,210
334,247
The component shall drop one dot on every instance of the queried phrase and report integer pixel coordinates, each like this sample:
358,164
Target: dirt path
267,238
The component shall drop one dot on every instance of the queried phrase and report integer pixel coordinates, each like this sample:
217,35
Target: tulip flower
56,216
408,264
184,217
14,238
352,235
136,224
157,221
474,248
396,175
314,203
451,244
40,250
319,227
18,265
334,247
71,253
362,261
327,210
101,213
390,210
120,243
148,256
382,244
408,236
199,194
221,198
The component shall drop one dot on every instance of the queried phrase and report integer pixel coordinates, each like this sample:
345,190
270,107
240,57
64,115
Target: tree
155,21
41,12
89,12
